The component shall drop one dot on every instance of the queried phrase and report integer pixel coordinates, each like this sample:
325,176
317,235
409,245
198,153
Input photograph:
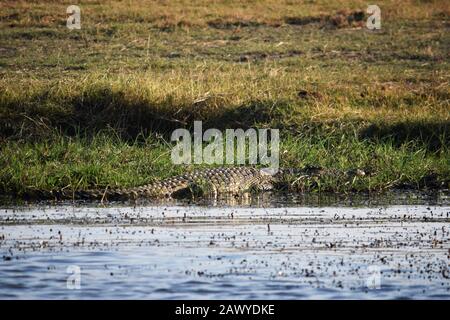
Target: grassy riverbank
96,106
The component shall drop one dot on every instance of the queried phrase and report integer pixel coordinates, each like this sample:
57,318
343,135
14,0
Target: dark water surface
285,248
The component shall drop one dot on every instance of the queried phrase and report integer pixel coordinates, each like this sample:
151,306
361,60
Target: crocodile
206,182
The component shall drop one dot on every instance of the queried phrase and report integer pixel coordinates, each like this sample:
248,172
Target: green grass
107,160
96,106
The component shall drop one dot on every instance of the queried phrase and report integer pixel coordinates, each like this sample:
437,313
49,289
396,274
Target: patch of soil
259,56
307,94
232,23
7,52
342,19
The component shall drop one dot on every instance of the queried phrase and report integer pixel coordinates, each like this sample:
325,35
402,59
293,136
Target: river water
277,249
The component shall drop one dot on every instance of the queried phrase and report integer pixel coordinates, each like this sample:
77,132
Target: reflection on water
264,248
272,199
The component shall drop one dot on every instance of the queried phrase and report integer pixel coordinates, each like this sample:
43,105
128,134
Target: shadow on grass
105,109
433,135
100,109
